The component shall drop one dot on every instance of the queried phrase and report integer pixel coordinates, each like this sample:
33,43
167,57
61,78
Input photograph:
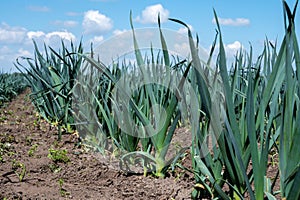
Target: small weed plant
57,155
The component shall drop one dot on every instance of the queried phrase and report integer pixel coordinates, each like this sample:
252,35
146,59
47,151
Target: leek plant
92,107
161,124
289,157
51,77
138,110
11,84
261,100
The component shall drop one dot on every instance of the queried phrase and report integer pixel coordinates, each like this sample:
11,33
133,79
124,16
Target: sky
97,21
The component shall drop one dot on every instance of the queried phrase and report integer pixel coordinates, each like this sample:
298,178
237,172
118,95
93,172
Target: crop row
132,110
10,86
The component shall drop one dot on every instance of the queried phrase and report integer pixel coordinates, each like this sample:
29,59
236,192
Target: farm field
86,176
25,138
153,124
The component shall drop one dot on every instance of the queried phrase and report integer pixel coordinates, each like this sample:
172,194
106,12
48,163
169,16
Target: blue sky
98,20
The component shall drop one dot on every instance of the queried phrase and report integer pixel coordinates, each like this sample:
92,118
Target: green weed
58,155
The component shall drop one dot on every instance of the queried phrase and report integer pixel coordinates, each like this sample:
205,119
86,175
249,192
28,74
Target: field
27,140
158,126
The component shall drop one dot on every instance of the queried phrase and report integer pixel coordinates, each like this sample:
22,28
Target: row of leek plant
120,110
51,76
63,87
259,111
11,84
132,110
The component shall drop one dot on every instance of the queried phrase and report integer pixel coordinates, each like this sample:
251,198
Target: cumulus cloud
4,51
10,35
8,56
94,22
62,35
119,32
17,41
182,49
236,45
24,52
97,39
233,22
150,14
38,8
231,49
49,36
52,39
35,34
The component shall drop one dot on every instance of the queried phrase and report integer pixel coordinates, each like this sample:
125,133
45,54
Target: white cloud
232,48
184,30
182,49
49,36
38,8
95,22
119,32
35,34
233,22
4,51
236,45
67,23
10,35
23,52
52,39
150,14
17,41
8,56
61,34
97,39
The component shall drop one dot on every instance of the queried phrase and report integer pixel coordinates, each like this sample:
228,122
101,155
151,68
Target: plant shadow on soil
25,141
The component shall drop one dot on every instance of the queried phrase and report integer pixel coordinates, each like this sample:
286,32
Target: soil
26,140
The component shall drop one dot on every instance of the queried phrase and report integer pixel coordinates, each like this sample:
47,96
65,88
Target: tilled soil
26,140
